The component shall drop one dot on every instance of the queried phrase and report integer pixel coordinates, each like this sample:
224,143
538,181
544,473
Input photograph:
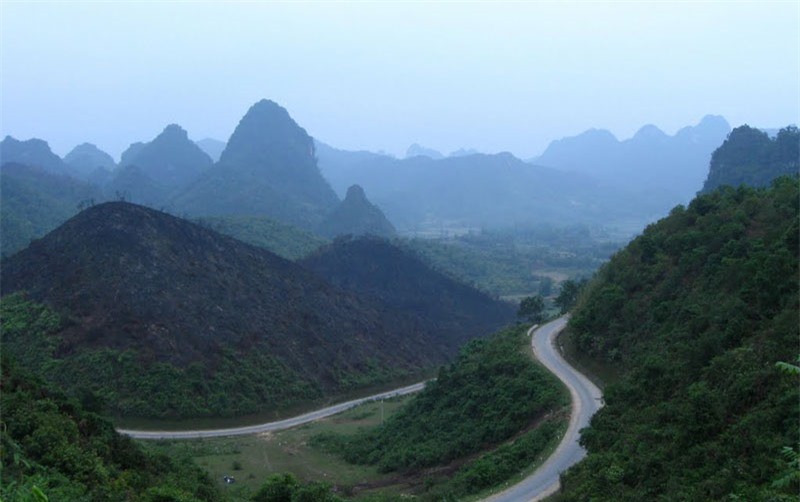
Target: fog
380,76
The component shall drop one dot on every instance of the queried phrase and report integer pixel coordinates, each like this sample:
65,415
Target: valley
276,318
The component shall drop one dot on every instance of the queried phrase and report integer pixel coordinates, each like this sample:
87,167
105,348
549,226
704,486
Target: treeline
698,313
52,448
490,394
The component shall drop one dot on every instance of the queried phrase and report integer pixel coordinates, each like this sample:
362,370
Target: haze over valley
324,252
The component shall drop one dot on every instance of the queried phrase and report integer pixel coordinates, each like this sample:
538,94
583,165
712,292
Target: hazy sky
381,75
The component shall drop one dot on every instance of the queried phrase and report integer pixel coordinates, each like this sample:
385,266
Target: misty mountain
33,152
422,194
674,165
752,157
90,162
35,201
171,160
416,150
132,184
268,168
212,147
356,215
463,152
175,319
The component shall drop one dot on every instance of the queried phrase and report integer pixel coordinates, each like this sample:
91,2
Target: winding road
586,400
271,426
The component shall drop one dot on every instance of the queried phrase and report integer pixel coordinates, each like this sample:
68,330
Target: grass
258,456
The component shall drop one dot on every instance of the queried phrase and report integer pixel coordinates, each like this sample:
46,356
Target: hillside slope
751,157
372,266
175,319
53,444
696,313
35,201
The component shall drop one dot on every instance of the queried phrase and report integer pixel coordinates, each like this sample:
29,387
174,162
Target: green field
250,459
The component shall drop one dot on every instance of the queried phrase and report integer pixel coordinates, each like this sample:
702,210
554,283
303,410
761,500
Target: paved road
586,400
271,426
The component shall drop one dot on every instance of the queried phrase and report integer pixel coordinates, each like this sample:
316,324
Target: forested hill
54,448
174,319
374,267
697,313
750,157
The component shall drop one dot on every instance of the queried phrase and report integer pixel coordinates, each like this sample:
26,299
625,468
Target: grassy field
251,459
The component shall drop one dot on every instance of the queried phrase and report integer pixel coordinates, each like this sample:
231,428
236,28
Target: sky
493,76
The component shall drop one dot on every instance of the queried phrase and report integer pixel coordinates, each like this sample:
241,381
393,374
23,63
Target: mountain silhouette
268,168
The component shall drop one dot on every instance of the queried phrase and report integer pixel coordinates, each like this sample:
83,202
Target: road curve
586,400
271,426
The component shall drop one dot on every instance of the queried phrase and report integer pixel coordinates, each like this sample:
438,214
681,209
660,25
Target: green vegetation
118,381
750,157
53,449
284,240
532,308
491,393
35,202
162,318
521,262
696,313
289,451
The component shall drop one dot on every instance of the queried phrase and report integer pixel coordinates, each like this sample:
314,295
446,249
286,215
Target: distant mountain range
674,165
421,194
271,167
174,298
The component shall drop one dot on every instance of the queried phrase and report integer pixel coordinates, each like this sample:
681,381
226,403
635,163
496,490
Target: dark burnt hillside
163,293
372,266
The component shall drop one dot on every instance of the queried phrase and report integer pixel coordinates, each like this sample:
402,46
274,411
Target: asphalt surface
586,400
271,426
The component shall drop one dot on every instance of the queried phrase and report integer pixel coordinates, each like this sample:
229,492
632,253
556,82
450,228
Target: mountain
698,316
171,160
34,201
374,267
268,168
86,159
416,150
212,147
421,195
32,152
177,320
751,157
355,215
672,167
132,184
463,152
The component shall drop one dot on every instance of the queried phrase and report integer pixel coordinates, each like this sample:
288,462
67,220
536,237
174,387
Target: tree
277,488
569,294
532,307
